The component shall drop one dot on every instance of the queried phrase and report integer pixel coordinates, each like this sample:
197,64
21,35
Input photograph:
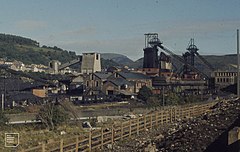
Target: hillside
29,52
221,62
117,58
13,39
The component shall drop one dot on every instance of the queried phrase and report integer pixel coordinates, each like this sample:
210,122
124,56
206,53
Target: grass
32,135
14,110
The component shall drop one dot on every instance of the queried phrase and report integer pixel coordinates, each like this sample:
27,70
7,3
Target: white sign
11,139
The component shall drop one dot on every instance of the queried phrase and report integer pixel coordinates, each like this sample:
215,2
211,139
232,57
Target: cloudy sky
119,25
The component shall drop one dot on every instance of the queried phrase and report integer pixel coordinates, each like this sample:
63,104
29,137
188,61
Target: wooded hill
28,51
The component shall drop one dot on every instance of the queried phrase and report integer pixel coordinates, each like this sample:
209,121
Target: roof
102,75
120,82
127,93
14,84
20,96
133,75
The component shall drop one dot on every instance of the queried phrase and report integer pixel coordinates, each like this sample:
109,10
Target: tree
3,119
52,115
144,93
153,102
173,99
191,99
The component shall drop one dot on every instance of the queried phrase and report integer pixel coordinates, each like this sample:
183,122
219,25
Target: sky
118,26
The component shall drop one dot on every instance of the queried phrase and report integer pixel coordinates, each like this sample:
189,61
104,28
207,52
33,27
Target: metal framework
152,40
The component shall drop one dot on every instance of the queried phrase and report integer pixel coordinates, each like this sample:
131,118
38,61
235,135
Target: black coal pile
197,134
194,134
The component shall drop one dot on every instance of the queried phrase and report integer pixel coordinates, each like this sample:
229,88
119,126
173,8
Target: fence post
151,120
43,147
121,131
112,135
138,126
189,112
101,138
195,111
77,144
130,128
199,110
156,118
162,112
61,145
171,114
145,125
175,114
90,140
181,111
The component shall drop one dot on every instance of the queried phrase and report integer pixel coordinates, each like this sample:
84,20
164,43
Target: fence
96,139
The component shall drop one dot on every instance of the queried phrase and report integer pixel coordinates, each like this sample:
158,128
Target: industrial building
186,78
88,63
91,62
225,78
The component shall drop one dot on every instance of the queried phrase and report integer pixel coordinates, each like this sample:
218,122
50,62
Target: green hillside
28,51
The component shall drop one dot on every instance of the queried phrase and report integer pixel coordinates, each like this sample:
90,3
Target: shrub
52,115
3,119
144,93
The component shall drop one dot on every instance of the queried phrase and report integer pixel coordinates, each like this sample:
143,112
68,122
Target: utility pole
238,73
4,93
3,102
163,98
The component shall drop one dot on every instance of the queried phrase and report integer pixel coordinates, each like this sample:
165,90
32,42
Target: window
97,57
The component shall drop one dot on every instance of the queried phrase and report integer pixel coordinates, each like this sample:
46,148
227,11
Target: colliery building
185,78
225,78
88,63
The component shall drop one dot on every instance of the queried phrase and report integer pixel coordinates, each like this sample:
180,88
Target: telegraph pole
2,102
4,93
238,73
163,98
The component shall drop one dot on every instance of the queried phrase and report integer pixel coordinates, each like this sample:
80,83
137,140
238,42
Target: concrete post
233,140
233,135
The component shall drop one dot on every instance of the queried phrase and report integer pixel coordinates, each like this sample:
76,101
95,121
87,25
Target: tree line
34,55
7,38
